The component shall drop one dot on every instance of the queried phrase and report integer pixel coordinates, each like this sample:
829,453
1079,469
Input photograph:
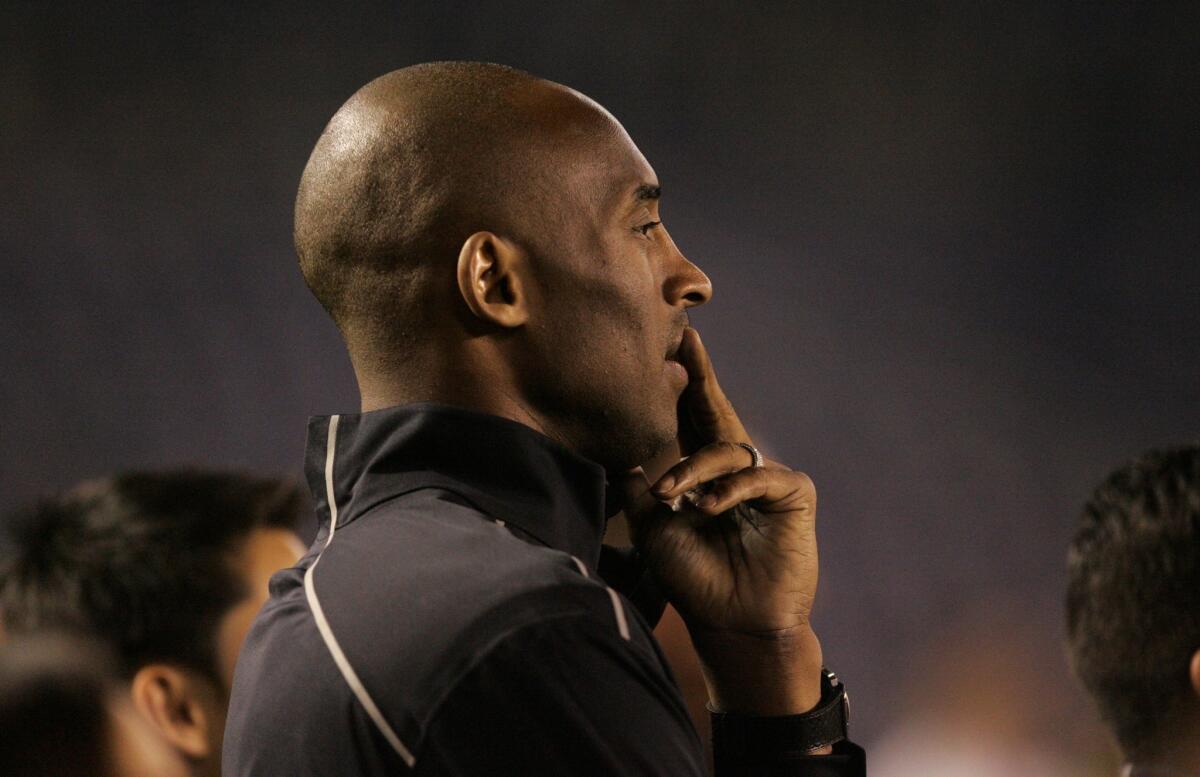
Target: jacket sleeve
567,696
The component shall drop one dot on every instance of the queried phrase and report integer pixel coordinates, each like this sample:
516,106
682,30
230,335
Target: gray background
954,253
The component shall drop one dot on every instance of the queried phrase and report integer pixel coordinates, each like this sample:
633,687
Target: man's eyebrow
647,192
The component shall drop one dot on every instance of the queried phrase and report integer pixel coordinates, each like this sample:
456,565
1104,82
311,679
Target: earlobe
170,699
491,274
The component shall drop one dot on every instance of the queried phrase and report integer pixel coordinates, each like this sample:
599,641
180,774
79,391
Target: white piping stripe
619,609
330,450
348,673
331,643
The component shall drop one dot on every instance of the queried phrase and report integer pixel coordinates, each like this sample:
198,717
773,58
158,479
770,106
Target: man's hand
735,549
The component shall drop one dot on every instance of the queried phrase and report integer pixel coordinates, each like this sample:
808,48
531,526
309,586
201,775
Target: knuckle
804,489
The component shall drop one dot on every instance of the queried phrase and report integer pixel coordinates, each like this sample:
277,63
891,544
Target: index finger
705,414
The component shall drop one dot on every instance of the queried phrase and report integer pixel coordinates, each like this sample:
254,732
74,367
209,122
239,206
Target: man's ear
1194,672
493,279
177,704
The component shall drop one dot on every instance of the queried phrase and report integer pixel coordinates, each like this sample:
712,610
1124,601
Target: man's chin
641,448
667,456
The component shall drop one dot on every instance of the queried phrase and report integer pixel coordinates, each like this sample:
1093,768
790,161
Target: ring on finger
756,459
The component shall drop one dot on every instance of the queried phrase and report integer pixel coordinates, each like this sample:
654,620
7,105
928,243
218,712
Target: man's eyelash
645,228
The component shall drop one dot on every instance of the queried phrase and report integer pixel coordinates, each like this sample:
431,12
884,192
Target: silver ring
754,454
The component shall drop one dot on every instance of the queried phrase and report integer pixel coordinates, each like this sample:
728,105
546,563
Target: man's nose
687,284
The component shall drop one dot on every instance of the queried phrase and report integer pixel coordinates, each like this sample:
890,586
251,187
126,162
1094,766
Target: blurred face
136,749
188,707
265,552
610,304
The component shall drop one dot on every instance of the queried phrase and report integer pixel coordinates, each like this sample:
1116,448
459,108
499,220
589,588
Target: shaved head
412,164
488,239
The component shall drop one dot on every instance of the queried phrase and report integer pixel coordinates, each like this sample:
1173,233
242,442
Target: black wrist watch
771,736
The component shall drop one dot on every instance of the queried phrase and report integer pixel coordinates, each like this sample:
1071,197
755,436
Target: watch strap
765,737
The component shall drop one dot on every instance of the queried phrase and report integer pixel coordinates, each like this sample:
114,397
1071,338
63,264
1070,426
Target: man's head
1133,601
64,715
484,237
166,570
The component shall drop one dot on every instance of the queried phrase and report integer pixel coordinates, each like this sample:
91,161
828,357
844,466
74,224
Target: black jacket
457,615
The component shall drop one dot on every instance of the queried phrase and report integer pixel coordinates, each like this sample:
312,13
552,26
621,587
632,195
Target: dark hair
139,561
1133,622
54,708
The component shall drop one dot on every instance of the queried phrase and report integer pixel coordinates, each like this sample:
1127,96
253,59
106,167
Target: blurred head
1133,602
484,237
65,715
166,570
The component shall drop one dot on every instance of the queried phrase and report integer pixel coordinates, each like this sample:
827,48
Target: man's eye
645,228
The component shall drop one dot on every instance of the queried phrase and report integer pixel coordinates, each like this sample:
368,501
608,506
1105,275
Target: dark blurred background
953,248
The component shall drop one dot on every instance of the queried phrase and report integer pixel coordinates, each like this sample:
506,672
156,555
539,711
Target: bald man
489,245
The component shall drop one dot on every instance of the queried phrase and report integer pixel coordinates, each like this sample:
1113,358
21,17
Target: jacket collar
504,468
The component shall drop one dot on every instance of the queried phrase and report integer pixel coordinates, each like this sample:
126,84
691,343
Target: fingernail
708,500
665,484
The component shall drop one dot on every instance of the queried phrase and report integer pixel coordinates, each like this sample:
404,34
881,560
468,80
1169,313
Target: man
63,716
490,247
165,570
1133,610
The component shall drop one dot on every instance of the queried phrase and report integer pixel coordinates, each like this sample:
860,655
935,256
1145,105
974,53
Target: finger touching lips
709,409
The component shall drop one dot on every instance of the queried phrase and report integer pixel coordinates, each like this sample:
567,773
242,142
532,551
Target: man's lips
678,372
673,349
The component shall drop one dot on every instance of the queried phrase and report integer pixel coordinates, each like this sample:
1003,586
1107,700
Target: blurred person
985,696
63,714
490,246
166,570
1133,610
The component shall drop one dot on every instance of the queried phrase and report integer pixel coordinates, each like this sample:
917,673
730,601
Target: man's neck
458,388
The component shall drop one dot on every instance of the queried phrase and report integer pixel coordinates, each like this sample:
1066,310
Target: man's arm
732,539
569,696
